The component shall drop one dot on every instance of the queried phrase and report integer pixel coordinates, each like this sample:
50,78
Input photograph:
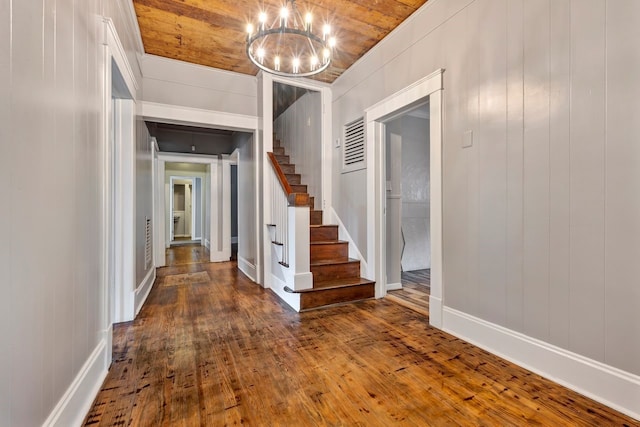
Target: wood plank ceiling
212,32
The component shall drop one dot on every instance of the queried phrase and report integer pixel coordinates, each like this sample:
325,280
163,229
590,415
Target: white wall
167,81
299,129
51,318
415,193
144,196
247,238
542,213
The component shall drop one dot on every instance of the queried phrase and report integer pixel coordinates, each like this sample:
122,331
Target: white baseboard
219,257
247,268
143,289
74,405
394,286
292,299
613,387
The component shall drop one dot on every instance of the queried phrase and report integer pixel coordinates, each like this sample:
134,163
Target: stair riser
324,234
338,251
279,151
335,296
293,178
335,271
299,188
315,217
282,159
288,168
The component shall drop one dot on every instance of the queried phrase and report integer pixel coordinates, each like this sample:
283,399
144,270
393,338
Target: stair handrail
293,199
289,224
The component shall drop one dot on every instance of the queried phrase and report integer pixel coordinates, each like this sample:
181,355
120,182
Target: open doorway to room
408,234
379,123
186,210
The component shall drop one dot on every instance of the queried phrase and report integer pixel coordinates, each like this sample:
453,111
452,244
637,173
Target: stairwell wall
299,130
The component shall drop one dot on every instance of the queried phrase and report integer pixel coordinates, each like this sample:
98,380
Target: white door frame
173,114
118,179
429,87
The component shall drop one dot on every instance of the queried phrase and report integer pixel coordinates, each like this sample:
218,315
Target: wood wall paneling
536,170
587,178
6,215
490,141
622,174
472,225
559,170
514,163
454,162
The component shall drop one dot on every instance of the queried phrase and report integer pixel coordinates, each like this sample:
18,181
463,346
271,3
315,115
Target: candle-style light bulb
276,63
326,30
296,65
262,19
284,14
308,19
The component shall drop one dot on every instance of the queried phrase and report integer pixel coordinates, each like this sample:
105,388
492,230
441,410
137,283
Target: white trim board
174,114
78,398
613,387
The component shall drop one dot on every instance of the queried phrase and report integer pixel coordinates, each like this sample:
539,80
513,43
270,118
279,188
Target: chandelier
289,47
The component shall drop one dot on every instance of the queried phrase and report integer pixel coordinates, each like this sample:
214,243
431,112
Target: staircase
336,277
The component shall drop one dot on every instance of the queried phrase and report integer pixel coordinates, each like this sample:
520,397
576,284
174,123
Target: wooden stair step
321,233
336,292
287,168
276,142
331,250
333,270
315,217
339,283
278,150
293,178
282,159
298,188
312,202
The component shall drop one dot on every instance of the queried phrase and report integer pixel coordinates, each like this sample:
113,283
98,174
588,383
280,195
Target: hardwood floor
211,348
415,290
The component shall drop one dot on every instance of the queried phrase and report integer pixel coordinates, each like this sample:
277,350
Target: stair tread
336,284
328,242
345,261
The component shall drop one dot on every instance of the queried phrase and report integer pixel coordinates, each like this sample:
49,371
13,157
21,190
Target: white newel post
298,247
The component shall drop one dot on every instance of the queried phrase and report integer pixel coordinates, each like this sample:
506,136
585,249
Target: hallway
212,348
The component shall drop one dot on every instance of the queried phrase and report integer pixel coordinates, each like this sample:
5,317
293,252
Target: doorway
185,209
426,90
408,234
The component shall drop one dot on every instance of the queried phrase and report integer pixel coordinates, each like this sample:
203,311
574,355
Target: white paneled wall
299,129
144,196
172,82
51,66
247,243
542,213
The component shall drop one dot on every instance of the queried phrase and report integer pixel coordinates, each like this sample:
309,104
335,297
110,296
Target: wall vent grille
147,243
354,153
